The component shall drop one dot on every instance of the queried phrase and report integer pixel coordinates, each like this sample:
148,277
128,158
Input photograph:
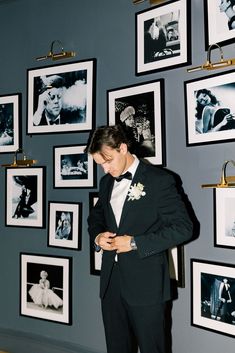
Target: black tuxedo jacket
158,221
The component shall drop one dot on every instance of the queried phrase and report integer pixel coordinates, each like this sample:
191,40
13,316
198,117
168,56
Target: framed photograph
210,109
10,123
224,219
73,168
176,265
140,110
213,296
61,98
95,257
163,37
64,225
25,197
219,22
46,287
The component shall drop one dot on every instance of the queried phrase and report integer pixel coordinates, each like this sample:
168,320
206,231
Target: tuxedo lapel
110,210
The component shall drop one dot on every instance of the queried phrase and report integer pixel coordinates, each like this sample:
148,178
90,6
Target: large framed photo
163,37
46,287
64,228
210,109
219,22
176,265
73,167
224,218
10,123
213,296
95,257
61,98
25,200
140,110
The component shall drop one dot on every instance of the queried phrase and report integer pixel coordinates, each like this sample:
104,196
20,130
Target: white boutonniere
136,192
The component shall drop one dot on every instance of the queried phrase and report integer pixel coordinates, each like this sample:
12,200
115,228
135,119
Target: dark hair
200,107
111,136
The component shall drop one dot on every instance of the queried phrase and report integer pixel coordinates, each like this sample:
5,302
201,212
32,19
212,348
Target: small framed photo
61,98
163,37
219,22
213,296
140,110
46,287
95,257
10,123
224,219
210,109
176,265
25,200
73,168
64,228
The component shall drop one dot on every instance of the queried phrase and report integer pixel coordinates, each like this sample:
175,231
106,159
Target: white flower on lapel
136,192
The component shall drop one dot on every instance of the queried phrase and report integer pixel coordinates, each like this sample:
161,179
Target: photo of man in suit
139,215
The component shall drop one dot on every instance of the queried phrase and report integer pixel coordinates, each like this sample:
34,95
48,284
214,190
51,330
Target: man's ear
123,148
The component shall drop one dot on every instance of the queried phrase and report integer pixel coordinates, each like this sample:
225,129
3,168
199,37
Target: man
135,220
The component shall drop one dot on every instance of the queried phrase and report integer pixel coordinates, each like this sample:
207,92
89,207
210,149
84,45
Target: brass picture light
25,162
57,56
225,181
152,2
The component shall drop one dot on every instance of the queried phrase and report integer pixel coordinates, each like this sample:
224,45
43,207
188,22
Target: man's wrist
133,244
96,245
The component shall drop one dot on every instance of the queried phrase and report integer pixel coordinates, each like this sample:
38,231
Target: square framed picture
224,219
210,109
61,98
176,265
64,228
163,37
140,110
46,287
10,123
95,257
219,22
213,296
73,168
25,200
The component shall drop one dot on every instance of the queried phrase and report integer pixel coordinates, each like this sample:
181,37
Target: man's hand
104,240
121,243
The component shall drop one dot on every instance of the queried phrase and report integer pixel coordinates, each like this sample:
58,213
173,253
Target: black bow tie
127,175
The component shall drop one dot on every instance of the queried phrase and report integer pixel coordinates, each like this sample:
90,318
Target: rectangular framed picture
25,200
213,296
163,37
176,265
224,218
210,109
46,287
73,168
64,225
140,110
219,22
61,98
10,123
95,257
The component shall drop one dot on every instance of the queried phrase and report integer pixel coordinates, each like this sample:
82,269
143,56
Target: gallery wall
104,30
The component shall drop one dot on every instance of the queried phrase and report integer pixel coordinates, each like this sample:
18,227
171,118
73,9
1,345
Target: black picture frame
25,197
208,310
163,37
65,225
73,168
47,301
10,118
144,105
177,265
66,91
95,257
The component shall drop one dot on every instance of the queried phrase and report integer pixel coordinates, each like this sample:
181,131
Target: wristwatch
133,244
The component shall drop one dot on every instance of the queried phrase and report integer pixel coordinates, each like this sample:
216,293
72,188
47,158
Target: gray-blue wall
104,30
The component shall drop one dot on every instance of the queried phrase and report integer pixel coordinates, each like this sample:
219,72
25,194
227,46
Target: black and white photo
60,98
140,110
176,265
46,287
25,197
64,228
95,257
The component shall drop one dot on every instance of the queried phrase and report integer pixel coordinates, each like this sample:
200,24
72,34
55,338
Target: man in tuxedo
139,215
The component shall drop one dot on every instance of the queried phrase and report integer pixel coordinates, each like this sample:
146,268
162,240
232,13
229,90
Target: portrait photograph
61,98
163,37
64,225
10,123
45,285
219,22
224,217
25,200
140,111
213,296
95,257
73,167
210,109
